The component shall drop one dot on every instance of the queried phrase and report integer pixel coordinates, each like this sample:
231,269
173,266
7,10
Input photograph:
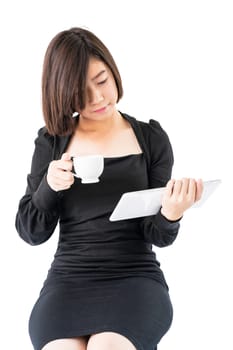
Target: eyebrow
97,76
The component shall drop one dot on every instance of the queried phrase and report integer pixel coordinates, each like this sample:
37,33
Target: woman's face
101,92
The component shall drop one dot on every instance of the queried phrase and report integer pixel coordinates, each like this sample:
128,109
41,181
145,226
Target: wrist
171,216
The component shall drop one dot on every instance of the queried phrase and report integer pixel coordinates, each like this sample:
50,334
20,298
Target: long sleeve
38,210
157,229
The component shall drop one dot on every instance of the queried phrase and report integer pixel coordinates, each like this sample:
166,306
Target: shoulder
154,139
43,152
52,145
157,141
43,137
151,130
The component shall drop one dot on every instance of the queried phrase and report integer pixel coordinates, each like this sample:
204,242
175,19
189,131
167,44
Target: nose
95,96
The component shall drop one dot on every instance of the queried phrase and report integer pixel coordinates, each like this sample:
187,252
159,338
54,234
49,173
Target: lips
99,110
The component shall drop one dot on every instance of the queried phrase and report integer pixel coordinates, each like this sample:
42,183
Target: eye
102,82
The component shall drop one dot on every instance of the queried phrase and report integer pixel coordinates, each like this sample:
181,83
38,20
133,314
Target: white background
176,62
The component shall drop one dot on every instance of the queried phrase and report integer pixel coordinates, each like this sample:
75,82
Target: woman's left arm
162,229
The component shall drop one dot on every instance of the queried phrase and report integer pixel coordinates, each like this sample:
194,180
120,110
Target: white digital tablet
148,202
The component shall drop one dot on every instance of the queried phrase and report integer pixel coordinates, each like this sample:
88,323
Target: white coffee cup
88,168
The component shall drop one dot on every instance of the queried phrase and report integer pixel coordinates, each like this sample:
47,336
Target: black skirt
138,308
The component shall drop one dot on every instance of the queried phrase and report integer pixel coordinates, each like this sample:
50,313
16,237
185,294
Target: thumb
65,156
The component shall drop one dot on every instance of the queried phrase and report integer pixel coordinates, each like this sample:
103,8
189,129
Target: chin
101,115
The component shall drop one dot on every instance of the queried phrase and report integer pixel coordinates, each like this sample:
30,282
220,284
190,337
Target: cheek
111,92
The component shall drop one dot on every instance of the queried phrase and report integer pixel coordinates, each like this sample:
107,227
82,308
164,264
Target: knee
109,340
68,344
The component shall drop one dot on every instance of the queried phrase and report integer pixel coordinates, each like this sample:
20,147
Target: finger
65,163
169,187
61,184
62,187
64,175
185,186
65,156
177,187
192,190
199,190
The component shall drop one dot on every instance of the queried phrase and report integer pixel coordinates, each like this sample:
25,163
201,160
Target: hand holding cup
59,176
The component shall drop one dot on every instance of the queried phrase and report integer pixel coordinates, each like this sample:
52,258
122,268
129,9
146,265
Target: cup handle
74,174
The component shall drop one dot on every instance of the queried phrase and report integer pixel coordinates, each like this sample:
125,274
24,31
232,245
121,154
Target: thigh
109,340
68,344
143,307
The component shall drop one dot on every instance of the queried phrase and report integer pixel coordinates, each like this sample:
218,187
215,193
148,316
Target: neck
99,126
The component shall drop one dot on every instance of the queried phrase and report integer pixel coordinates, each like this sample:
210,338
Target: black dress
105,276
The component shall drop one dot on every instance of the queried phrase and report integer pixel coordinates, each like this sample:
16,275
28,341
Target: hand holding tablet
148,202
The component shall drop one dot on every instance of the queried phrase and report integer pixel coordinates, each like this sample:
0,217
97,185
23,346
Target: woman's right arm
38,210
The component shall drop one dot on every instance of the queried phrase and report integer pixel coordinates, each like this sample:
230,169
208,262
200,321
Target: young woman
105,289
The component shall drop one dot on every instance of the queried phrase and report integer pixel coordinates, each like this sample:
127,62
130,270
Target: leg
67,344
109,340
